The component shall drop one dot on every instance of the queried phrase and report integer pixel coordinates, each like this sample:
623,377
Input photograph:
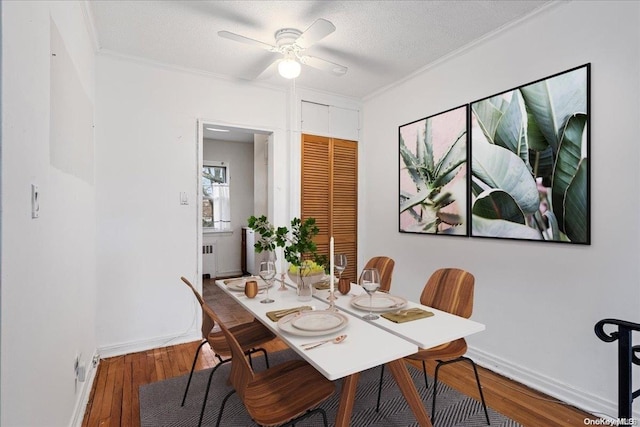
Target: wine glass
340,264
370,282
267,273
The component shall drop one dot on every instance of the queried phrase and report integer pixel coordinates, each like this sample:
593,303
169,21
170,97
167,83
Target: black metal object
380,388
435,385
626,357
426,382
193,367
213,370
206,393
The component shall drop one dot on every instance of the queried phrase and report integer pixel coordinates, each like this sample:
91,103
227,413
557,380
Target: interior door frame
201,122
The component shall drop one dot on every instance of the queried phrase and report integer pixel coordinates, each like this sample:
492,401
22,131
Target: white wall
48,264
239,157
147,153
260,165
539,301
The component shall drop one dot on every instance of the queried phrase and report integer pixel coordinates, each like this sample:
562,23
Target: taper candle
331,285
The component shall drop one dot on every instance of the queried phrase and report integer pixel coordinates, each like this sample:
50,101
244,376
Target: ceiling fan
292,43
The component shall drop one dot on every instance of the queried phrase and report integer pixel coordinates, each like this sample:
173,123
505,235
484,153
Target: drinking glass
267,273
305,289
370,282
340,264
251,288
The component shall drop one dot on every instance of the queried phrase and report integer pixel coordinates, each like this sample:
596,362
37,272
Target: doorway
234,176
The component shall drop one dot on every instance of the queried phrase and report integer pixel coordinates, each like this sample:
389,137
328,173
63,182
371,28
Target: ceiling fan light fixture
291,43
289,68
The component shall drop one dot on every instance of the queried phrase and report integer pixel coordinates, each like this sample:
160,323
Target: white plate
318,321
379,302
286,323
238,284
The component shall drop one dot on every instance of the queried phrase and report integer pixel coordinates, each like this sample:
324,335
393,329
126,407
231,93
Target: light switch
35,201
184,199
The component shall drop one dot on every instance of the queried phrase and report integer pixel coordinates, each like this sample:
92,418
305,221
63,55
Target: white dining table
368,343
428,332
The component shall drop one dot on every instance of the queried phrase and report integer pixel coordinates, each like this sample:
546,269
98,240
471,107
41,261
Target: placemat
279,314
322,286
407,315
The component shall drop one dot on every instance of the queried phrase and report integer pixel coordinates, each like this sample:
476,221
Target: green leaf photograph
530,161
433,174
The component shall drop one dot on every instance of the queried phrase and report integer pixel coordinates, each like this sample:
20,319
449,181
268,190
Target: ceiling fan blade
247,40
324,65
269,70
320,29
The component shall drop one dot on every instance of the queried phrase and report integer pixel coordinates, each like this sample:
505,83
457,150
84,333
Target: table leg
403,379
347,398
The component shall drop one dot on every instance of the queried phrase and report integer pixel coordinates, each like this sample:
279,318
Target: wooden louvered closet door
330,178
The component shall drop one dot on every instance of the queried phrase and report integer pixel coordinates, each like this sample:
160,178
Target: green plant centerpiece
299,248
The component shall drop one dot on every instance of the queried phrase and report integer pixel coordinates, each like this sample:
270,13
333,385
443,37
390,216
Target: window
216,211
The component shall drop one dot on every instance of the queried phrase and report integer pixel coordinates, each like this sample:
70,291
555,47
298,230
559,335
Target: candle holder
282,287
332,301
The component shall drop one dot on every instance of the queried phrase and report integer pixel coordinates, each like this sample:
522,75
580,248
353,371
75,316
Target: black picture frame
433,184
530,161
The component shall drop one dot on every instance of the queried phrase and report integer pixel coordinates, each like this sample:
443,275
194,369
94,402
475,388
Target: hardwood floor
114,397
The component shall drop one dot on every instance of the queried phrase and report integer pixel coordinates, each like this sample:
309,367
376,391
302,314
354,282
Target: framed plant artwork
433,174
530,161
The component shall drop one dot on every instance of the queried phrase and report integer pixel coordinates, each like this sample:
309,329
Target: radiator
209,260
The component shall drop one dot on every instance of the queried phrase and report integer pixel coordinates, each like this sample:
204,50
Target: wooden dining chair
251,336
385,268
450,290
283,394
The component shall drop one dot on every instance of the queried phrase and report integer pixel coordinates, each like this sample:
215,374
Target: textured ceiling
380,42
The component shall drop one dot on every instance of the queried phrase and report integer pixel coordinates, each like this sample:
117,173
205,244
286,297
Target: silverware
408,311
291,318
283,313
335,340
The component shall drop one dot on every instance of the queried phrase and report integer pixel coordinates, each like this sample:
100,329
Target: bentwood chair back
450,290
385,268
282,394
252,336
207,323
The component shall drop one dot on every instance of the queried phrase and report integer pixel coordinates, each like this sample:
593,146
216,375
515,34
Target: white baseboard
85,392
233,273
581,399
158,342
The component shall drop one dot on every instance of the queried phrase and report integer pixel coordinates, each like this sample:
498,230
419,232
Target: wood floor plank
184,357
176,361
105,403
127,384
140,377
118,389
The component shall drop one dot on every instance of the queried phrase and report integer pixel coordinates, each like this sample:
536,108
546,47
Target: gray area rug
160,402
